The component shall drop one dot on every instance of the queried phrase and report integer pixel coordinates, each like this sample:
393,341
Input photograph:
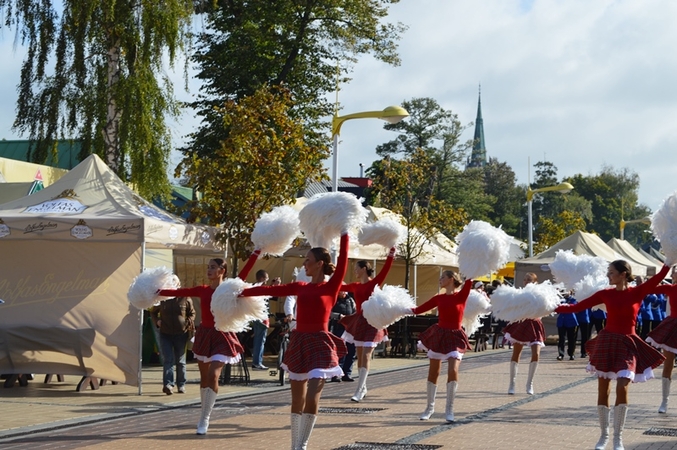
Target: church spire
478,157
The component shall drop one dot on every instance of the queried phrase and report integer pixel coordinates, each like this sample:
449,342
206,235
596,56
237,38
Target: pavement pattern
562,414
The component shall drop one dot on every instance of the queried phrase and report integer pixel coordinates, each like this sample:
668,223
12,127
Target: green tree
264,162
298,44
406,187
613,195
507,198
94,72
553,230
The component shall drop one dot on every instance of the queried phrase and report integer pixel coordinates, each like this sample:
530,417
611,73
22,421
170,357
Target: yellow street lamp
645,220
391,114
562,188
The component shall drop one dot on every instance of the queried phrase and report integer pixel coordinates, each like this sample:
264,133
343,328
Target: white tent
69,254
580,243
632,255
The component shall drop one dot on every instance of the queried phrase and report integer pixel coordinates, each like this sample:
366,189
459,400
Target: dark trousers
346,362
599,324
570,335
586,330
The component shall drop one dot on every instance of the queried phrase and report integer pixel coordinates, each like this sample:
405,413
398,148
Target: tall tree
507,199
300,44
264,162
407,188
94,72
613,195
553,230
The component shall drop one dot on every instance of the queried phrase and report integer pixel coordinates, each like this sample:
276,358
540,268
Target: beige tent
632,255
580,243
69,254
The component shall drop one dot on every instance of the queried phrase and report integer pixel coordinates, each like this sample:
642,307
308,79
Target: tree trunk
111,136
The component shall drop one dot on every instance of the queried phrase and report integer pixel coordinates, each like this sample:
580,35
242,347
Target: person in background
567,328
260,329
617,353
598,319
527,332
345,306
585,327
175,318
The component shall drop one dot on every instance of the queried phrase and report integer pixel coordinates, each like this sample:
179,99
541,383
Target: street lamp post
391,114
562,188
645,220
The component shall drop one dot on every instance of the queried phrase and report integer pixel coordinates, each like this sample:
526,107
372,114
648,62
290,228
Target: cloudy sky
578,83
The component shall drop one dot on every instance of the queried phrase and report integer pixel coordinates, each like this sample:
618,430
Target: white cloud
580,83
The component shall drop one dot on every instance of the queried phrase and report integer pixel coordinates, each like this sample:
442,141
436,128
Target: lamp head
394,114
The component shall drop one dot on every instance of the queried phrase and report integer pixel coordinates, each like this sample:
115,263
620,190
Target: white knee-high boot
666,394
620,413
533,365
207,406
361,390
604,413
305,428
513,375
430,407
295,430
451,393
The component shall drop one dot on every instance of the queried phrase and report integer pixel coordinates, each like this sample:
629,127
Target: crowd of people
331,332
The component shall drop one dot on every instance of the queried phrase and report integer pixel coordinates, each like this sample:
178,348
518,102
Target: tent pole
140,373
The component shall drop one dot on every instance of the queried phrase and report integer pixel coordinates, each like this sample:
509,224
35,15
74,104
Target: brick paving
562,414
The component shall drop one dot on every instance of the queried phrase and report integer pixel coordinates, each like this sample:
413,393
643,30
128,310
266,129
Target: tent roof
632,254
90,202
582,243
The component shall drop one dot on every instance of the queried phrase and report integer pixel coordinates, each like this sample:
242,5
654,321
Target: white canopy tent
70,253
632,255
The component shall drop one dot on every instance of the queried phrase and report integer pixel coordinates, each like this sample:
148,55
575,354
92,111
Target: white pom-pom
275,231
570,269
388,305
476,307
143,290
327,216
300,275
533,301
387,232
233,313
664,227
482,249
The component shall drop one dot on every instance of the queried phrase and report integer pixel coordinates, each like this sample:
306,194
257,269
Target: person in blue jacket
585,327
567,326
598,319
658,310
646,315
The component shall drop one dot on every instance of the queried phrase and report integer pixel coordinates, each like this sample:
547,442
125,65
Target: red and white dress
665,335
358,331
313,351
617,352
446,339
211,344
527,332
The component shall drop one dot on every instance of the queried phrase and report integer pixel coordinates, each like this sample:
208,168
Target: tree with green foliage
613,195
406,187
299,44
553,230
264,162
94,72
507,198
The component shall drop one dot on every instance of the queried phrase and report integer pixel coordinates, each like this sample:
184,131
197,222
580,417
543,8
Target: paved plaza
562,414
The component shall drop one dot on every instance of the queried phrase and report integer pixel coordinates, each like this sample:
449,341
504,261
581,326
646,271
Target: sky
578,83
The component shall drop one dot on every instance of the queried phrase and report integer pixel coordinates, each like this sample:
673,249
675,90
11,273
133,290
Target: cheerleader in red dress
445,340
212,348
617,353
527,332
664,336
313,353
358,331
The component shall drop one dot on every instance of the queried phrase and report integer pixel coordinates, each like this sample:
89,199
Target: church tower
478,157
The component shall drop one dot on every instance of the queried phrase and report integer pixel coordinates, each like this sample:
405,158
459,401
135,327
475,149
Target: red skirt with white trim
443,340
665,335
312,351
616,355
360,331
210,343
525,332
